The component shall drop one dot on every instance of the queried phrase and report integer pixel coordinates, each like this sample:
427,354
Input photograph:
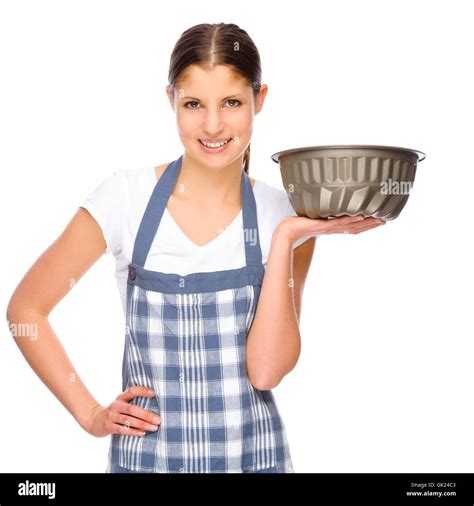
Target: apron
186,339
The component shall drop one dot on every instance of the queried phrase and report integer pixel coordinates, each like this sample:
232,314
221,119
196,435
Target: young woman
211,265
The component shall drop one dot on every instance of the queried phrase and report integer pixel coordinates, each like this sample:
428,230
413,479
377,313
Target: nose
213,122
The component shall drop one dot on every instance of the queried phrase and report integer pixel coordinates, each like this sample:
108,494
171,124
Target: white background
384,382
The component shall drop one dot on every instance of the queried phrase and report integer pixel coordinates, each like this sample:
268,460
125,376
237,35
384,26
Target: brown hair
218,44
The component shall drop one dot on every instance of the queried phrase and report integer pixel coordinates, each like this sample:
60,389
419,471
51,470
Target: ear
261,98
170,95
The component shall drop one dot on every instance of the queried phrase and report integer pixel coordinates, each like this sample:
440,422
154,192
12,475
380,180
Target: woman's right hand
121,417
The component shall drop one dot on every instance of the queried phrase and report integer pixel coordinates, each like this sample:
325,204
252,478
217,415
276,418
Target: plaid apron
186,339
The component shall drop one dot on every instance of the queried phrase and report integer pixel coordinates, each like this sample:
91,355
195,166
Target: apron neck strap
253,251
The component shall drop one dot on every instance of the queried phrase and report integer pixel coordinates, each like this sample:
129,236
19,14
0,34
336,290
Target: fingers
143,414
357,229
350,225
133,420
296,227
135,391
129,423
342,220
125,430
118,423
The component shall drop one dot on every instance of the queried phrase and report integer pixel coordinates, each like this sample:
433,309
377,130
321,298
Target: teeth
214,144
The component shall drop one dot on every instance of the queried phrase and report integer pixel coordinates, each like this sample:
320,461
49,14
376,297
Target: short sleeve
292,212
107,206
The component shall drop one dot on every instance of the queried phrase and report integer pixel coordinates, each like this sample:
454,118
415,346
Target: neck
209,186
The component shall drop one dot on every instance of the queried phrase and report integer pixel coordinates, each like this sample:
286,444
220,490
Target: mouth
214,147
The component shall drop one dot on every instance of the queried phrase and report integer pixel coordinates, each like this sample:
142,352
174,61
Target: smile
214,144
214,147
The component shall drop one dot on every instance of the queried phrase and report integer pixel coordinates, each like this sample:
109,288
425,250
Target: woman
210,284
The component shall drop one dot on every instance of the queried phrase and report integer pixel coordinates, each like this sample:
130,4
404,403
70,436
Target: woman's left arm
274,342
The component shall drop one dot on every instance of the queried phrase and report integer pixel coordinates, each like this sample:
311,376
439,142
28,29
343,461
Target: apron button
181,470
132,273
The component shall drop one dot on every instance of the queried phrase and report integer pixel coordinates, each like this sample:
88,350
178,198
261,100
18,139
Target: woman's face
215,105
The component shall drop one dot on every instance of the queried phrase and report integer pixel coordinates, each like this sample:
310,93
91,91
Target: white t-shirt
118,204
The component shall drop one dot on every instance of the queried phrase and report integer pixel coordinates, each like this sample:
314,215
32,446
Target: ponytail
246,162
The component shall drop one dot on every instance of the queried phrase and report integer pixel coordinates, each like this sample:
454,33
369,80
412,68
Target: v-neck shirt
190,242
118,204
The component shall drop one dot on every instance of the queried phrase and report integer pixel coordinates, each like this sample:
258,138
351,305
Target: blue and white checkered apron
186,339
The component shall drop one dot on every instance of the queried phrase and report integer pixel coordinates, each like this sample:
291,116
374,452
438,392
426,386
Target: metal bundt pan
332,181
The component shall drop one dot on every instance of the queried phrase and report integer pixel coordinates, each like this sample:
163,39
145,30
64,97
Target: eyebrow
225,98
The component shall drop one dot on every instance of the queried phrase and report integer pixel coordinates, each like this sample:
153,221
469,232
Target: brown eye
235,101
190,102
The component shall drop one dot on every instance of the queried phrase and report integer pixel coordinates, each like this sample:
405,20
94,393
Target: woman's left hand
296,227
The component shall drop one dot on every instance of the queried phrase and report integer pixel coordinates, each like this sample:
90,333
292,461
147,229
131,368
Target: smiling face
215,106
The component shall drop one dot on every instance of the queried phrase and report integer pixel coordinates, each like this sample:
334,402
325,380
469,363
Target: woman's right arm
49,279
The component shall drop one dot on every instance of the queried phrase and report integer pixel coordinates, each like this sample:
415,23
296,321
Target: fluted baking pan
332,181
